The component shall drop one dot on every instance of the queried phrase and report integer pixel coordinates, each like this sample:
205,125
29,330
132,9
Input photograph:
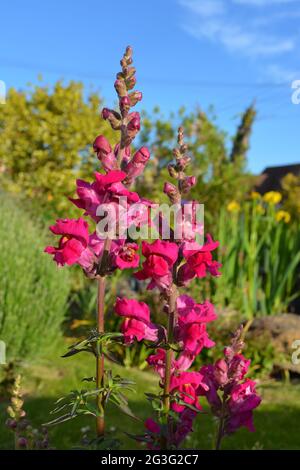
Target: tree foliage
45,136
220,167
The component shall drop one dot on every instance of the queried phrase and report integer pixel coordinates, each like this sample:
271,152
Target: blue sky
187,52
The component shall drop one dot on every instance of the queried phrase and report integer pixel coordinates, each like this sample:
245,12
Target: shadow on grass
277,427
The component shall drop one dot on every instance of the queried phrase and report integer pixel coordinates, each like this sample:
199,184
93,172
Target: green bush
33,291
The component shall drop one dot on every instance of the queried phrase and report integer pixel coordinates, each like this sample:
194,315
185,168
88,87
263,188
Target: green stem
100,420
221,427
169,359
100,423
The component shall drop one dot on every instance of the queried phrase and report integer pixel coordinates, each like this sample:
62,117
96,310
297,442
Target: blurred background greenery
46,136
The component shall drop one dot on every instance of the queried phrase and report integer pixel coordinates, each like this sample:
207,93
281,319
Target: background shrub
33,292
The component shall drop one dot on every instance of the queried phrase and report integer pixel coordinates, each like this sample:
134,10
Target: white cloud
210,19
204,8
263,3
280,74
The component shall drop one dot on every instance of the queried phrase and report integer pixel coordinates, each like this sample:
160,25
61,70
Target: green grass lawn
276,420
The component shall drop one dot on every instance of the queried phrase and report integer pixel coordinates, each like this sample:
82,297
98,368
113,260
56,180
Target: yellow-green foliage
219,167
46,137
291,191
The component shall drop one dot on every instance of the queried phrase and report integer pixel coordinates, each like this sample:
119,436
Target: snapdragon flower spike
126,121
238,397
137,324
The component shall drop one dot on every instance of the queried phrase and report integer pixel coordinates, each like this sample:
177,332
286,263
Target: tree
45,136
220,170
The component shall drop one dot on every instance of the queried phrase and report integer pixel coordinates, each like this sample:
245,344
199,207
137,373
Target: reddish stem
100,357
169,359
100,420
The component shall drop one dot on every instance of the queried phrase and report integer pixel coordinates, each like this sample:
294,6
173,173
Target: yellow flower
272,197
233,206
255,195
49,197
259,209
283,215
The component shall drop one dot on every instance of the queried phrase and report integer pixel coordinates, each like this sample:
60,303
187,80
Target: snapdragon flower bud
133,127
124,105
130,82
220,372
182,163
172,171
129,72
135,97
11,423
113,117
135,122
188,183
120,87
136,166
101,146
22,442
172,192
104,153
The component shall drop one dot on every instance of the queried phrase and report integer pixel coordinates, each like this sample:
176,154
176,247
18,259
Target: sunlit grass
276,420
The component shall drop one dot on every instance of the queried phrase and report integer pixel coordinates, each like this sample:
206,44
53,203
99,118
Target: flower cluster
168,265
26,436
109,190
232,397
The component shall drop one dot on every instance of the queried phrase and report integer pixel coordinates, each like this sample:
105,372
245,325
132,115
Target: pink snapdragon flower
243,400
183,427
158,362
199,261
152,435
106,189
127,257
111,184
177,434
186,384
137,324
122,254
73,244
191,312
191,329
88,197
160,258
